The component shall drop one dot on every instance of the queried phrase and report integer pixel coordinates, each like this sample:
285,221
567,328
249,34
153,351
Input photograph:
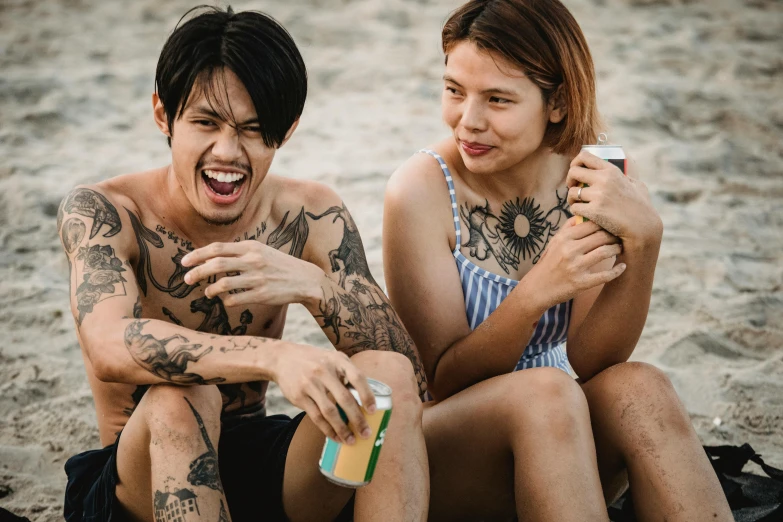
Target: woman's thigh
471,435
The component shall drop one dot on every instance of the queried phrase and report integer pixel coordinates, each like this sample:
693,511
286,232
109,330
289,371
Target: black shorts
251,455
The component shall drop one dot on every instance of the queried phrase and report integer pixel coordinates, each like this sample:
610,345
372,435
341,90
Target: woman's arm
425,288
607,323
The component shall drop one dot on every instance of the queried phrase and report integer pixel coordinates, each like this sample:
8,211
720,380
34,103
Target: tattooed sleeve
354,312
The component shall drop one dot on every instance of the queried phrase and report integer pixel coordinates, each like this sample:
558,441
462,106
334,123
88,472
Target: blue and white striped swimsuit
484,291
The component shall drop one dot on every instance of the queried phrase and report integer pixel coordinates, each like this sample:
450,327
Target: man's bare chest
164,294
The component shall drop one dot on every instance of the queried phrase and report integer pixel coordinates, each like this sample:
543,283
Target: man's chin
221,221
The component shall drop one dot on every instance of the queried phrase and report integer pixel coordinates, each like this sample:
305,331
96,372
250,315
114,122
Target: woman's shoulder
419,180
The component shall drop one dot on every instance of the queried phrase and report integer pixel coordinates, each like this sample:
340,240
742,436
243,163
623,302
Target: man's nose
227,147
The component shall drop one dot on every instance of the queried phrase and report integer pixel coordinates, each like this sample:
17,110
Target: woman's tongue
224,188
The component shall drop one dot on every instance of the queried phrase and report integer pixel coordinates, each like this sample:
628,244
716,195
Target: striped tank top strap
452,193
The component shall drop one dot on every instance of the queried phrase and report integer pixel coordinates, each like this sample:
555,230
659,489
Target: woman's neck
542,171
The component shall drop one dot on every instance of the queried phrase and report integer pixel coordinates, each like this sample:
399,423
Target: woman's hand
569,265
314,380
619,204
255,274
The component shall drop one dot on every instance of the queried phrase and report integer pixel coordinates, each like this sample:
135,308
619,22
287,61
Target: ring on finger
579,195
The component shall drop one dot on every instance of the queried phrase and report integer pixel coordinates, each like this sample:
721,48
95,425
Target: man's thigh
133,468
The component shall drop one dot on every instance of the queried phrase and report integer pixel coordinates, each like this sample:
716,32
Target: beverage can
353,466
614,154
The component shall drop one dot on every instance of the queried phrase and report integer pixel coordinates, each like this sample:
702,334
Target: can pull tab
603,139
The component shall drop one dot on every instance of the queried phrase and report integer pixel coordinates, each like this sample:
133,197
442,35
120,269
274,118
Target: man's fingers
314,412
201,255
215,266
227,284
356,420
357,379
331,414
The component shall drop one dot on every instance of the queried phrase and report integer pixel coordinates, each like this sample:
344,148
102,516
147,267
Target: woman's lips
475,149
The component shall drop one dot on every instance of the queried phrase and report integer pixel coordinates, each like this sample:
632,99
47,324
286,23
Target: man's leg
400,487
167,456
517,444
640,425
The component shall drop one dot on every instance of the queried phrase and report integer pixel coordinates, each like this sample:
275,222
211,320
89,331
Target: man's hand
314,380
256,274
619,204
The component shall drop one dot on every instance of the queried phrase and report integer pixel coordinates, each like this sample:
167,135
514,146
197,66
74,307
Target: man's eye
452,90
495,99
254,130
205,123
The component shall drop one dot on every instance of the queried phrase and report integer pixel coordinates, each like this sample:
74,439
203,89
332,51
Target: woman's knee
639,393
548,399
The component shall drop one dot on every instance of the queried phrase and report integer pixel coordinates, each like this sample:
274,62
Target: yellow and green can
353,466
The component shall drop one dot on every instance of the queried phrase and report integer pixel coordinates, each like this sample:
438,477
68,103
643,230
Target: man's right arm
122,347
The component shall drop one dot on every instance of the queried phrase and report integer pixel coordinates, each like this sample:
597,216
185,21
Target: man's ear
556,106
290,132
159,113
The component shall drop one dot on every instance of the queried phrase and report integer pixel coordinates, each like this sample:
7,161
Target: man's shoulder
303,193
102,208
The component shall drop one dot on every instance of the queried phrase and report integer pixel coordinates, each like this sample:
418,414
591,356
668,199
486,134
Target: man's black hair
252,45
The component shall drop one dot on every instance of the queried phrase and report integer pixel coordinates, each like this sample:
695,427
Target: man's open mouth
224,184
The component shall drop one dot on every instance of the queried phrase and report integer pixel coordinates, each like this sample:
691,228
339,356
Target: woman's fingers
601,253
596,239
606,276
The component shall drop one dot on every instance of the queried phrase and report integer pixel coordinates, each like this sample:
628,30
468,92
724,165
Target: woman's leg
640,426
516,444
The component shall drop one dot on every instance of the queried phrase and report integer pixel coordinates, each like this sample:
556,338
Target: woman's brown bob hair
542,39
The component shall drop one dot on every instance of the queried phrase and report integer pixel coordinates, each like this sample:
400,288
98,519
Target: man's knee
182,408
394,370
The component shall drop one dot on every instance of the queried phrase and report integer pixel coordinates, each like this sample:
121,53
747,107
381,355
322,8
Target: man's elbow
104,367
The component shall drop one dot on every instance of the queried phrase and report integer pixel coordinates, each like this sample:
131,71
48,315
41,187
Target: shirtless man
180,281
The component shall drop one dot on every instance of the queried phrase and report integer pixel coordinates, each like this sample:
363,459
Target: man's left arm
349,305
325,270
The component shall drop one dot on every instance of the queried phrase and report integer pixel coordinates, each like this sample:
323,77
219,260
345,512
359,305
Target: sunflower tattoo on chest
522,230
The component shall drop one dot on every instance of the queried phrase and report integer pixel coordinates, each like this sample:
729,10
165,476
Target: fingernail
366,432
350,440
184,260
623,266
371,409
187,278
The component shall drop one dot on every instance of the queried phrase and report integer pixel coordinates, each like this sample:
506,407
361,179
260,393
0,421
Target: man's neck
179,211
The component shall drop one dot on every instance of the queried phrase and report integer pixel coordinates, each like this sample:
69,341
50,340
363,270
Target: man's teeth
224,177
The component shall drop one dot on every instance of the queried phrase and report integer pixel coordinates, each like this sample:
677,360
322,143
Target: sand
692,89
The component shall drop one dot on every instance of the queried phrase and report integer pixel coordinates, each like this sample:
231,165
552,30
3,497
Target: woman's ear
556,106
159,113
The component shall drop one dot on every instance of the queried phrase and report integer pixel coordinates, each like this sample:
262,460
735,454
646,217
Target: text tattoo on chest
521,230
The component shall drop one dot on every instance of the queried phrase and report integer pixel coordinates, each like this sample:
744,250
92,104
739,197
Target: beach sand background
691,88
